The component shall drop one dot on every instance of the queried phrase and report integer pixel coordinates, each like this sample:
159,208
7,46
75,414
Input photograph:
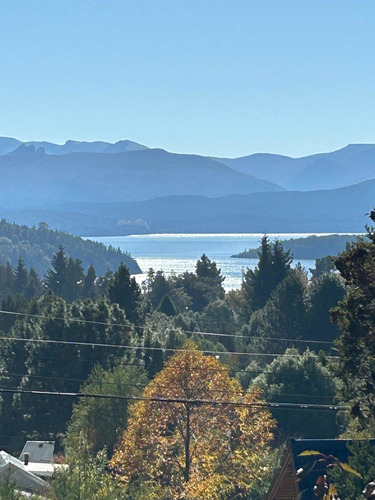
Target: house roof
12,469
39,451
44,470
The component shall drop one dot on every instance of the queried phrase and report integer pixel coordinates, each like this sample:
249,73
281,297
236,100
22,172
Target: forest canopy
312,247
177,362
36,246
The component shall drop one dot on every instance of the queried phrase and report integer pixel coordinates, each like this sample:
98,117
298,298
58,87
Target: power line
78,359
304,341
210,390
189,332
74,320
254,404
146,348
121,362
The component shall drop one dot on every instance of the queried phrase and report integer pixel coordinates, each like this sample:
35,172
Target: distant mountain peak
360,145
8,145
124,141
25,150
356,148
124,146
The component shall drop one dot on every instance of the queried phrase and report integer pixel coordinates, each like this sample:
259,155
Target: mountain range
33,178
8,144
338,210
97,188
350,165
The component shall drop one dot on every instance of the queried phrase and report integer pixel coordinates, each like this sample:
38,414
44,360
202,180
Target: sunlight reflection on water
179,252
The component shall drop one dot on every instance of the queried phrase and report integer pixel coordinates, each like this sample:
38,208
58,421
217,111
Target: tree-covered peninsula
312,247
37,245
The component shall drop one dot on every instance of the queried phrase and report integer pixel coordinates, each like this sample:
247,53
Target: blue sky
213,77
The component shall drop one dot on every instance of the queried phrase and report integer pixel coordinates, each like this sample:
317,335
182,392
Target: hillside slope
339,210
350,165
312,247
31,178
36,245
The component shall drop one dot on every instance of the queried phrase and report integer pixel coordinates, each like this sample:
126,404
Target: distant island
311,247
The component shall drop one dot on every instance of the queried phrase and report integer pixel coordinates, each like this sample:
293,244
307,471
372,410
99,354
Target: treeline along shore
37,244
310,247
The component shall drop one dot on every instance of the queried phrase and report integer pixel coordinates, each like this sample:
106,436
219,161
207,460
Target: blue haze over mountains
7,145
99,188
350,165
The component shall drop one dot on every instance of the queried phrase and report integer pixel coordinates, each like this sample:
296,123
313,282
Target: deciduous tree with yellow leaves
195,434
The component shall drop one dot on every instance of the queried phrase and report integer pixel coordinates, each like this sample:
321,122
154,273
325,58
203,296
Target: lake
179,252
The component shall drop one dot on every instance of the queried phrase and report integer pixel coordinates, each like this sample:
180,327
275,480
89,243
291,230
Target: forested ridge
182,380
310,247
36,246
336,210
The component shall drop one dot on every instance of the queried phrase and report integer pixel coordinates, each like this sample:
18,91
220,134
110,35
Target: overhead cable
146,348
189,332
163,386
253,404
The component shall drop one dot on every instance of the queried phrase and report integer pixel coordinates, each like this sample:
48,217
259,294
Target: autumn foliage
205,442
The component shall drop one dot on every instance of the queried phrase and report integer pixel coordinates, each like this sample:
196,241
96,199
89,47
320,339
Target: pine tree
158,287
153,355
167,307
34,286
206,268
7,278
124,291
325,292
56,276
355,317
10,278
89,289
258,284
283,316
12,303
203,287
22,277
74,276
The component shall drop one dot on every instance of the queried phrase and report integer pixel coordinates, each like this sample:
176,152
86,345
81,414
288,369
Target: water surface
179,252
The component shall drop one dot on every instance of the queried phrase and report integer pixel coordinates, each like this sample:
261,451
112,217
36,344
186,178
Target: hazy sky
214,77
